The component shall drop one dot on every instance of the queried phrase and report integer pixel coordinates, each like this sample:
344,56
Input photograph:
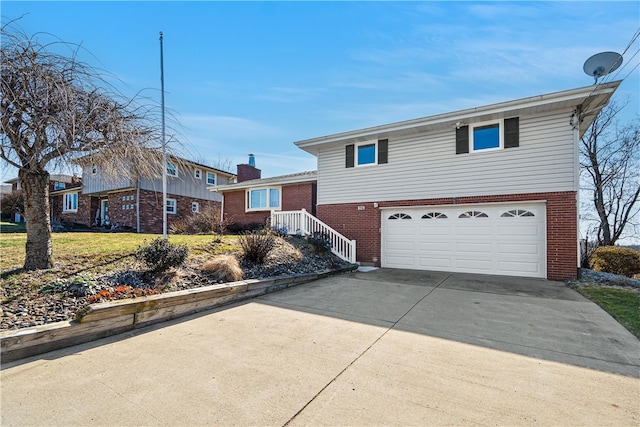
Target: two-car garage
503,239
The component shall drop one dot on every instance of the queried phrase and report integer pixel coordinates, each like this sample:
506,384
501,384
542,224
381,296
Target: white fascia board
266,182
574,96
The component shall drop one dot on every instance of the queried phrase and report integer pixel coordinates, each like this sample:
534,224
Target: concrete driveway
387,347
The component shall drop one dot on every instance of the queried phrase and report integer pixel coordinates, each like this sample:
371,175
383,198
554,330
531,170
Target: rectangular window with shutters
488,136
367,153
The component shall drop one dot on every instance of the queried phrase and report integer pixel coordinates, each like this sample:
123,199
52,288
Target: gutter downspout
576,118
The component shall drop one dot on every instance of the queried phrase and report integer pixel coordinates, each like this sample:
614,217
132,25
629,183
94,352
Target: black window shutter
462,140
383,151
511,132
349,155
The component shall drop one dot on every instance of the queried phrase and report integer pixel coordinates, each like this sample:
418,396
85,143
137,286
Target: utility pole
164,147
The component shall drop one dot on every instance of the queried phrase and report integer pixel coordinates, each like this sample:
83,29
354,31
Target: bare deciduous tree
610,166
55,109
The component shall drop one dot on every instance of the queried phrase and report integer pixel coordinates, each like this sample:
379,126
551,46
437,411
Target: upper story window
488,136
70,202
58,185
172,169
263,199
197,174
94,169
367,153
211,178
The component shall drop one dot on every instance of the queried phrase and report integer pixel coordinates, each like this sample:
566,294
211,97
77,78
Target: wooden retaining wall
110,318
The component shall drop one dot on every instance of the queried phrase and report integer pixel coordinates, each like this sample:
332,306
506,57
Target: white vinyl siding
426,166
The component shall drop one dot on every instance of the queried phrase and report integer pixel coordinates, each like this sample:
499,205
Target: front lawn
622,304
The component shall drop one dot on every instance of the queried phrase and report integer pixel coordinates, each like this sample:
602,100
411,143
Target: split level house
490,190
135,204
248,203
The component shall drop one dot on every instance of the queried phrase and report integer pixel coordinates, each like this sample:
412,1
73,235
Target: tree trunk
35,187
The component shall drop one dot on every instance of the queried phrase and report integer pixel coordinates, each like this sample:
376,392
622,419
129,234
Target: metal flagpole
164,148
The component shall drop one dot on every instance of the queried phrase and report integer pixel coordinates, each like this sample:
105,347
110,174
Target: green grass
74,253
622,304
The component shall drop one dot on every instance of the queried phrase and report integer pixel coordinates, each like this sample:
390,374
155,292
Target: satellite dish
602,64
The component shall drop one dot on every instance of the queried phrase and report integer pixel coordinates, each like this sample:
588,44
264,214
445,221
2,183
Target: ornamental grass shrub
161,255
257,245
616,260
224,268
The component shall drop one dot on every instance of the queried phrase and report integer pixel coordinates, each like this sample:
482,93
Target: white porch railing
304,224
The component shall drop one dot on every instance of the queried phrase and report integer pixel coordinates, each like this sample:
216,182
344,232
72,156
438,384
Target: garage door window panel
400,216
473,214
517,213
434,215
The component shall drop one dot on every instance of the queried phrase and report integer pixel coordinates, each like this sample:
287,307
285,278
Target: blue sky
252,77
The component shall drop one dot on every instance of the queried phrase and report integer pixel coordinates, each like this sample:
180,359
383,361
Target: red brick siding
294,197
87,206
562,226
247,172
151,210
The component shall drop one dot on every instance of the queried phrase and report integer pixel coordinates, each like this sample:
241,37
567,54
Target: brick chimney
248,171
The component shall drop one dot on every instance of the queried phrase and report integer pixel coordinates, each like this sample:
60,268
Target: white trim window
486,136
172,170
172,206
70,202
366,153
197,173
262,199
211,178
195,207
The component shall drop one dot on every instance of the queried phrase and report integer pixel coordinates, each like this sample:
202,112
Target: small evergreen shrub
616,260
161,255
224,268
256,246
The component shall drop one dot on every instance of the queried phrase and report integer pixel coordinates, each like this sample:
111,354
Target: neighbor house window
211,178
172,170
70,202
197,174
195,207
367,153
263,199
172,206
58,185
488,136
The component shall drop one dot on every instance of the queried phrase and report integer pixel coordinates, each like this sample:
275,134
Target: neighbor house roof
294,178
587,101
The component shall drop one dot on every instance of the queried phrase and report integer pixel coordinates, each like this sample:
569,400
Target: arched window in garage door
473,214
516,213
434,215
400,216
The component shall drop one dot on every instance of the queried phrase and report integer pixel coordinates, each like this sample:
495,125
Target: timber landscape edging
102,320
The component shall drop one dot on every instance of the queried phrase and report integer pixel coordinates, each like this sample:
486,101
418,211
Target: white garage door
489,239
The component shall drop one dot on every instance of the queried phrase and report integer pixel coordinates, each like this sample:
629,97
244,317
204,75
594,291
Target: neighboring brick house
249,202
491,190
137,204
57,184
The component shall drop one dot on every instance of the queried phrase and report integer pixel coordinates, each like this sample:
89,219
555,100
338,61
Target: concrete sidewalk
390,347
